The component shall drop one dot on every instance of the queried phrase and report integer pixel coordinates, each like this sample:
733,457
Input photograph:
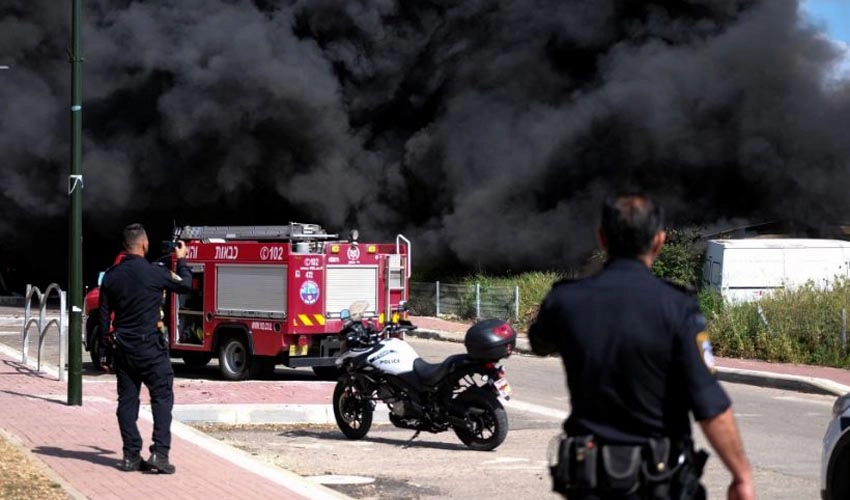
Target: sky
834,13
834,16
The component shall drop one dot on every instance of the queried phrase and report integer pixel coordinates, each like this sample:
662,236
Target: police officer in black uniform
133,290
638,361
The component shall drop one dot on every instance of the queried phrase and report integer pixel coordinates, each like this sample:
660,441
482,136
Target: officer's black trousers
148,364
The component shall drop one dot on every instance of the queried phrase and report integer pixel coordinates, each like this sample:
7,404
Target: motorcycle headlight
841,405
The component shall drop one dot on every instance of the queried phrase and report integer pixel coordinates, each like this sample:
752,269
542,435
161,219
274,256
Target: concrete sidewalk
801,378
82,445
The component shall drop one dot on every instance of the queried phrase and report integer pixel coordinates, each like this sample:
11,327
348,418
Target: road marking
824,402
543,411
505,460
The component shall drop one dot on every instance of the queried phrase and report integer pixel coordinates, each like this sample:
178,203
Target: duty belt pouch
657,470
621,467
574,464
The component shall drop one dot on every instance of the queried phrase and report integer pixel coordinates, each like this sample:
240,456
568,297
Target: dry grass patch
23,477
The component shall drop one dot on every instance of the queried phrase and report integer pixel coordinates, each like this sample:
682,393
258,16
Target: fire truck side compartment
251,290
347,284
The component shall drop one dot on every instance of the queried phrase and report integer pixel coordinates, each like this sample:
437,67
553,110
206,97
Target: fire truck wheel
234,359
327,372
196,359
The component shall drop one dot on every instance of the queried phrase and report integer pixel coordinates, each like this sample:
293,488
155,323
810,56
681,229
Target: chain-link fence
464,301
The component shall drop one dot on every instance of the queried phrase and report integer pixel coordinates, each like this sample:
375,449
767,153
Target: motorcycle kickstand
415,435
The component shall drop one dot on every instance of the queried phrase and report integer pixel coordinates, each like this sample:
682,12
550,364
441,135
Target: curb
265,413
295,483
797,383
523,346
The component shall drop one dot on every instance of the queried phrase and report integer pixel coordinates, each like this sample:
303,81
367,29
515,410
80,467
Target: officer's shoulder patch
704,345
687,289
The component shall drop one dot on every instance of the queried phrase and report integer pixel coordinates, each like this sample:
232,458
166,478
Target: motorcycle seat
431,373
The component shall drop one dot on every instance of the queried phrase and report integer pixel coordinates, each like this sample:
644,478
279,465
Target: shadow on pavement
336,435
26,370
99,456
20,394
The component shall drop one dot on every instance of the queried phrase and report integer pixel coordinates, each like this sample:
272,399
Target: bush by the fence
799,326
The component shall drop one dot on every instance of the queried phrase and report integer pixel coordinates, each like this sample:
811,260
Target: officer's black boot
130,464
160,464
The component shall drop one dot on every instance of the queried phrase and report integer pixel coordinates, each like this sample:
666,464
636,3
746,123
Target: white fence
43,324
464,301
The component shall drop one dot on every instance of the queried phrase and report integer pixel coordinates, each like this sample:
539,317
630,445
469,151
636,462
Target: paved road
782,433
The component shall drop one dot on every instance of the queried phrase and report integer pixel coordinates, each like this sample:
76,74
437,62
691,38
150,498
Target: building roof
757,243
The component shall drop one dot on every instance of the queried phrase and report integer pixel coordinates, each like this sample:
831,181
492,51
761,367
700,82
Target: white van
747,269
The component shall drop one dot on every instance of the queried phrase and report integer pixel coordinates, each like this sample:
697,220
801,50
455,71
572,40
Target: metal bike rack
42,325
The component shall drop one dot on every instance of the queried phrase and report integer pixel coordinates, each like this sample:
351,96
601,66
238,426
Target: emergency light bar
293,231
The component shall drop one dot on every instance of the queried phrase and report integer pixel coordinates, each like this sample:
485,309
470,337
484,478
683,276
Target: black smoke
485,130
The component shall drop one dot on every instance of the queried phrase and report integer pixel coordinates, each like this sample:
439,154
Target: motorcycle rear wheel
486,420
352,409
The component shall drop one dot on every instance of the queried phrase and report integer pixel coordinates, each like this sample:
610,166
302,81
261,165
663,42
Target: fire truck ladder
398,272
292,232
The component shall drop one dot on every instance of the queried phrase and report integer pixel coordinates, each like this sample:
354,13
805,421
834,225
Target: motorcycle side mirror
403,307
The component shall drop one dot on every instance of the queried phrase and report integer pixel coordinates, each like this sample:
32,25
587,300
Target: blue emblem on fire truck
309,292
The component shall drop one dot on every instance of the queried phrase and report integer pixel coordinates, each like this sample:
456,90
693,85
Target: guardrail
43,325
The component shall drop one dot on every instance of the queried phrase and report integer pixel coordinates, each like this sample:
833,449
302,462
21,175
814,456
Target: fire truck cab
268,295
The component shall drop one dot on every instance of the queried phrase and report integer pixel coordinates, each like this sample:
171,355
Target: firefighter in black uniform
638,361
133,291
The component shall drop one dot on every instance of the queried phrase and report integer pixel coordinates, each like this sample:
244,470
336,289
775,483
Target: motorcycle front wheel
485,422
352,409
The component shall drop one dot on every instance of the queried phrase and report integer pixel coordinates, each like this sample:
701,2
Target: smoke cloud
488,131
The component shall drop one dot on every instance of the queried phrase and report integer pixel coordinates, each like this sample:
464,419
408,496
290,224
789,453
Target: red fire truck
268,295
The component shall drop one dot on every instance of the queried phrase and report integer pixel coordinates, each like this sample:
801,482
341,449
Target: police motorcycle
460,393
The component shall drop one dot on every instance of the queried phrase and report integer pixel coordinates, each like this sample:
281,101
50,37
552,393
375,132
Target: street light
75,192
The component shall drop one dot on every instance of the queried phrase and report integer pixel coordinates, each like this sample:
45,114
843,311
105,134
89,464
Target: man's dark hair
132,234
629,223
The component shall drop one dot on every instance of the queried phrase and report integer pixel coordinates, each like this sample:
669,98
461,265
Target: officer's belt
585,463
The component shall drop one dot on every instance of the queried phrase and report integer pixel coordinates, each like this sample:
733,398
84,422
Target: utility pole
75,192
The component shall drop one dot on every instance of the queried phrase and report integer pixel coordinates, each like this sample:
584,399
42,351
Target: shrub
796,326
681,258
